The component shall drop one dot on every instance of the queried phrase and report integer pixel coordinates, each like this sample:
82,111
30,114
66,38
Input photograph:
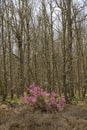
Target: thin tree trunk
4,59
69,53
52,46
10,57
64,52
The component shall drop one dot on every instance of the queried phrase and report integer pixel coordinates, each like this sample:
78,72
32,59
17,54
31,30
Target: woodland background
43,41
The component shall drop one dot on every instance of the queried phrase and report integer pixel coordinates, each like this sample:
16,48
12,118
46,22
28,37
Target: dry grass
21,118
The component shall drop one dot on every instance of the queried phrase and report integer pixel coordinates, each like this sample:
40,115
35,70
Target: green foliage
15,100
41,103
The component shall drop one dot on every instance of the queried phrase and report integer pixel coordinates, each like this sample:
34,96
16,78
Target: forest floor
19,117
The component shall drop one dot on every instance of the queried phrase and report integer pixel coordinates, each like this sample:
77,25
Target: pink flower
46,100
47,107
53,101
58,106
63,99
32,92
45,94
53,94
32,100
32,85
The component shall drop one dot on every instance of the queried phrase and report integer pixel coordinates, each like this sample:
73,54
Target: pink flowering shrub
40,99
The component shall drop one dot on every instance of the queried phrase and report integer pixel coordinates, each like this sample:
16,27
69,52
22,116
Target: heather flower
45,94
32,100
63,99
32,85
53,94
43,100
